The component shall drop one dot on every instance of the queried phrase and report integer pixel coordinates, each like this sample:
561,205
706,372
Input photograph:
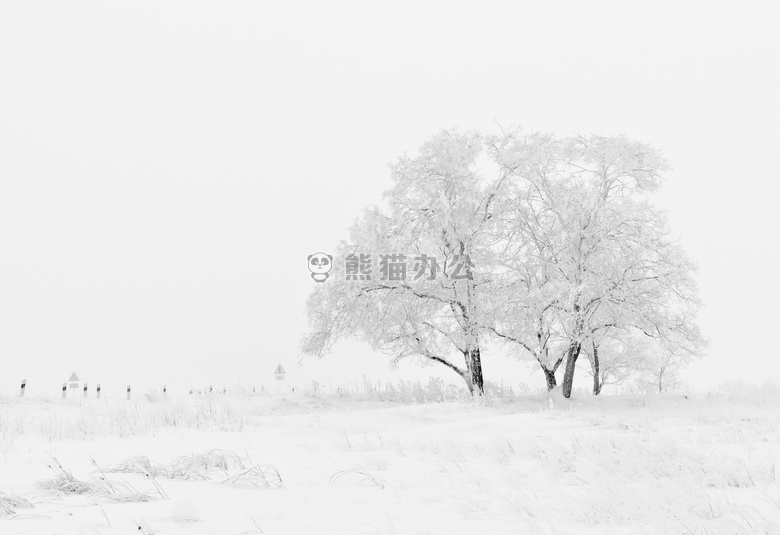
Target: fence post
64,390
128,392
98,391
165,390
85,390
24,384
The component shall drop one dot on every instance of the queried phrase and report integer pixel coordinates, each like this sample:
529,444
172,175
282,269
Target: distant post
64,390
98,391
165,390
128,392
224,390
85,390
24,384
209,389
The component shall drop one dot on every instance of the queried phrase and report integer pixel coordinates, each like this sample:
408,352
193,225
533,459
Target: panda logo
319,265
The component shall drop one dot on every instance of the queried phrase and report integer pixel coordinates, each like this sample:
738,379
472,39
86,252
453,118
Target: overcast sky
166,167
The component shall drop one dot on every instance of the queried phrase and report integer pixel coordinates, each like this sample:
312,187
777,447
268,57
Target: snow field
615,465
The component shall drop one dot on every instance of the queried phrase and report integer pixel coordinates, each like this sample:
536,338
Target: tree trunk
549,376
474,367
571,361
596,374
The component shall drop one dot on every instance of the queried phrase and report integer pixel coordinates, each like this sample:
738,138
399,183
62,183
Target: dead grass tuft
9,503
98,488
231,468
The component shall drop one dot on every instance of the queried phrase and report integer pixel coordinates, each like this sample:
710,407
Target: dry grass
9,503
256,477
227,466
200,466
138,465
357,478
98,488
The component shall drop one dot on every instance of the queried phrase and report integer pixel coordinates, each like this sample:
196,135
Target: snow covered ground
299,464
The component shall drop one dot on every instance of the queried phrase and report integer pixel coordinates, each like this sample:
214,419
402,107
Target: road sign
279,373
74,383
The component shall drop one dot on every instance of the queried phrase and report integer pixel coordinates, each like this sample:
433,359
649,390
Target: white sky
165,168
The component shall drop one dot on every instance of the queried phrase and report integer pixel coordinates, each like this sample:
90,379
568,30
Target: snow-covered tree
600,255
616,356
437,216
555,249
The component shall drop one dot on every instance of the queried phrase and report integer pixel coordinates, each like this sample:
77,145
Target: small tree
615,356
